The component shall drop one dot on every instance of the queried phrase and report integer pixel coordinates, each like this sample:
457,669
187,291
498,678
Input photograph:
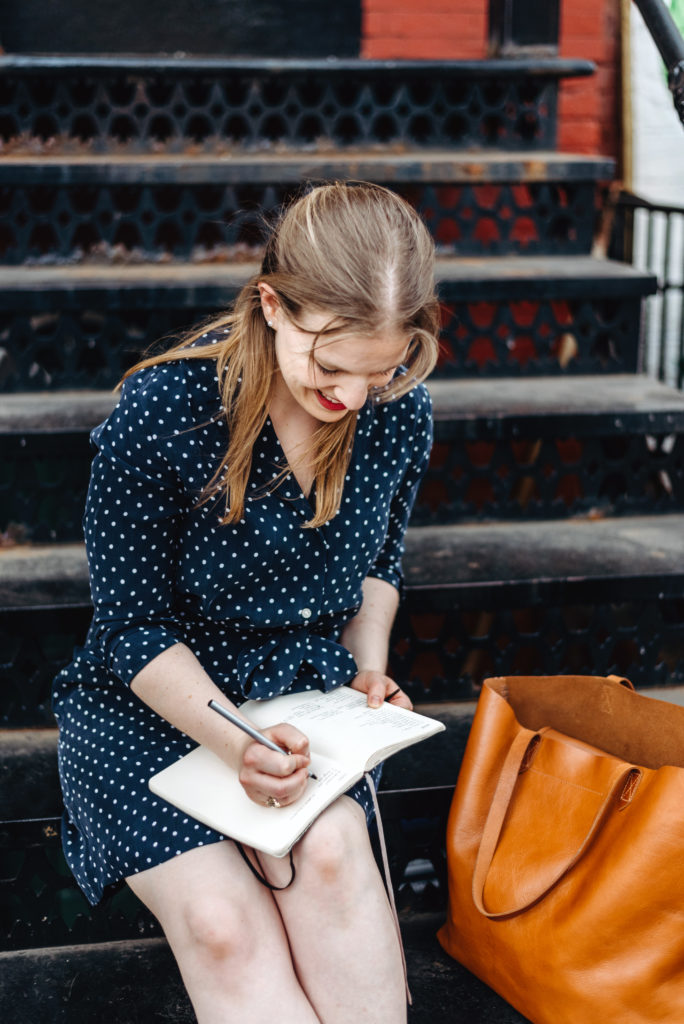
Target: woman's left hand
378,687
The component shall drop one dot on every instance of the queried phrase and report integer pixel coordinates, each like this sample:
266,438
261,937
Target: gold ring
272,802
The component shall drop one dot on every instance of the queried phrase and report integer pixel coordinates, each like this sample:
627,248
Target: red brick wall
458,30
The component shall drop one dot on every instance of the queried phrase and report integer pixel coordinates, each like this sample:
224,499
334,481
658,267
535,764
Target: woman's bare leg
339,924
227,936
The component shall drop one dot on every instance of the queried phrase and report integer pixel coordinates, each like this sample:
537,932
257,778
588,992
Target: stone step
199,208
143,104
29,783
436,166
590,596
608,445
136,982
83,326
585,557
464,410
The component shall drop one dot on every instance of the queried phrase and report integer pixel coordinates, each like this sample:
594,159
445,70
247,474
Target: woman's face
336,376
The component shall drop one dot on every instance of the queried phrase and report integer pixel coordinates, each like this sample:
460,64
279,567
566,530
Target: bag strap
513,763
388,881
262,878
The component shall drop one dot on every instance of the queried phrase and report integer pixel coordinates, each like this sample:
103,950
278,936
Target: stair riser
29,782
43,907
85,222
445,640
194,107
92,346
44,478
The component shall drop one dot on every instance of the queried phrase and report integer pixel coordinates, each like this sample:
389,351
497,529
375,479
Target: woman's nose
353,393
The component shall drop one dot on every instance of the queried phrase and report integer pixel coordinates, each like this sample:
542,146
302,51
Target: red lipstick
327,404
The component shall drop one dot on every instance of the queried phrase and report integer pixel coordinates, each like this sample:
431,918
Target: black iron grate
547,478
173,108
44,478
87,222
92,346
441,650
507,339
446,653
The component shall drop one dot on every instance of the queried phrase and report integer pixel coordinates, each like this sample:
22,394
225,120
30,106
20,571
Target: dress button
306,613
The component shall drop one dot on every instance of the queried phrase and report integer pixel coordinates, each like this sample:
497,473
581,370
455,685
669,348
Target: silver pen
250,730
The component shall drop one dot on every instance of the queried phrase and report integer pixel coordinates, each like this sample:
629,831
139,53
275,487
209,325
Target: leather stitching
568,782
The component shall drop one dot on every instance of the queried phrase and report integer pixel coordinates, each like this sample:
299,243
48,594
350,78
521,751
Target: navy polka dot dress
261,603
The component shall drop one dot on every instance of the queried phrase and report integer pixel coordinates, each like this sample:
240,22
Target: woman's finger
261,760
288,737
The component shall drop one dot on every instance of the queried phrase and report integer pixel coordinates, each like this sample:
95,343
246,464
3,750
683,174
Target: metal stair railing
668,39
650,235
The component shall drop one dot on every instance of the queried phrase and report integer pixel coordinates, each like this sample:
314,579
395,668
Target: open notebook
347,739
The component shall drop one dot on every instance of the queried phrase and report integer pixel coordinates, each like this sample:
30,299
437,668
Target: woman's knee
218,930
336,843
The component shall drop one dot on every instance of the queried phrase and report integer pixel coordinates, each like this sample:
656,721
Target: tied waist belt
275,665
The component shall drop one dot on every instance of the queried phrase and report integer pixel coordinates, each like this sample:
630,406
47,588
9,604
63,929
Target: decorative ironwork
143,105
35,643
114,222
43,480
540,337
41,905
440,649
548,477
43,484
441,652
92,347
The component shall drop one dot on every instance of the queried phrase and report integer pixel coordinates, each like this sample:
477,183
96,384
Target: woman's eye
325,370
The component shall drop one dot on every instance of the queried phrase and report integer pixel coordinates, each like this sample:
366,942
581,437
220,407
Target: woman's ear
269,301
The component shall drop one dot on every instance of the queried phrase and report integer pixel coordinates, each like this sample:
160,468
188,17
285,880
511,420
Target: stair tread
189,65
235,166
535,555
597,403
612,550
610,403
29,783
472,279
133,982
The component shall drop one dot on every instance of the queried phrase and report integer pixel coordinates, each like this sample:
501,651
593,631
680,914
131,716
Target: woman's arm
175,685
367,637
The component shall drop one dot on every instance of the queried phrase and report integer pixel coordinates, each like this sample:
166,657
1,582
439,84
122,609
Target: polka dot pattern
261,603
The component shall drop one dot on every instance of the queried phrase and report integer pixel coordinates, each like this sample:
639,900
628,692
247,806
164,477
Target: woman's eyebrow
337,369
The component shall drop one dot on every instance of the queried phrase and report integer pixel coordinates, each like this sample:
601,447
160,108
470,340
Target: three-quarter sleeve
136,501
416,455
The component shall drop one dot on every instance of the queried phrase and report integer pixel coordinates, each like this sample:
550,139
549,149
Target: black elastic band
260,878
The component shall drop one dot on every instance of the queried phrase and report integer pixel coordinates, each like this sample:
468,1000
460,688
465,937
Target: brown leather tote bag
565,851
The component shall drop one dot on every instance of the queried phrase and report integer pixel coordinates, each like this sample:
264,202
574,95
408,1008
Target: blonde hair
357,252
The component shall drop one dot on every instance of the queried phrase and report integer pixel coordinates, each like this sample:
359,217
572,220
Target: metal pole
668,39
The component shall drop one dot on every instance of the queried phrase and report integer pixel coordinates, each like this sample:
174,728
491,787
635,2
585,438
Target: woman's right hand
266,775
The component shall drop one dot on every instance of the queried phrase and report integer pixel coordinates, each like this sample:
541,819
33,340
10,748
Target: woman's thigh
207,897
335,850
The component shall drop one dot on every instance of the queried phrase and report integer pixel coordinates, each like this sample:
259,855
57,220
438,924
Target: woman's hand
378,688
267,776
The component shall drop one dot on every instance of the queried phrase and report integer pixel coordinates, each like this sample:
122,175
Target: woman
244,528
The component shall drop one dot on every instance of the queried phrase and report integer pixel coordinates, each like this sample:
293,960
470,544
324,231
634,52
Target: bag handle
513,763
